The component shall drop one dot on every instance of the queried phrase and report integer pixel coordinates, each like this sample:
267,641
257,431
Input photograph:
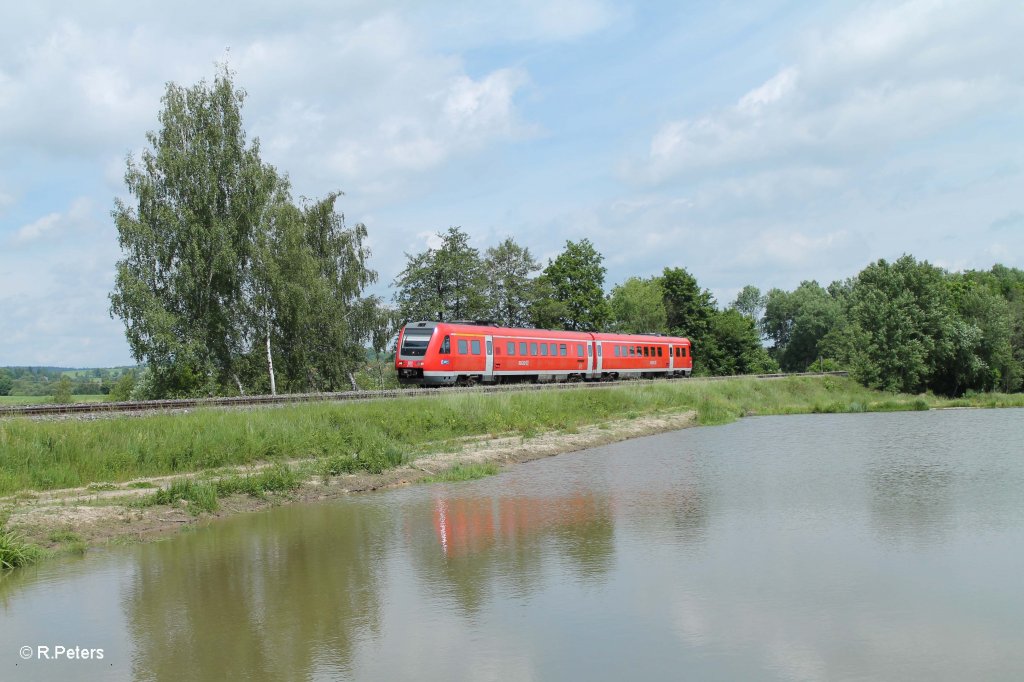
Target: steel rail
113,408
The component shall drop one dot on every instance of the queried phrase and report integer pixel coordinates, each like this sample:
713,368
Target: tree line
506,285
904,326
229,285
42,381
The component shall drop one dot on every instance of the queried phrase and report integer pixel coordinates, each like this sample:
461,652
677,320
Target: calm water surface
882,546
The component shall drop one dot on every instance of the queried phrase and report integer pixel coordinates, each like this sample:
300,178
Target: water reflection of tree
477,542
912,501
267,597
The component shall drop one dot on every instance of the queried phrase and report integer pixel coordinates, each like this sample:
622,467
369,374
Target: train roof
475,328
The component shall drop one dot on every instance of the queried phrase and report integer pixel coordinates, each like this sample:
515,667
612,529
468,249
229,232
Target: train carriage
447,353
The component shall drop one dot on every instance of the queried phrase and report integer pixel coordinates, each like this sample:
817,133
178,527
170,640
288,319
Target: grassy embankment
45,399
330,439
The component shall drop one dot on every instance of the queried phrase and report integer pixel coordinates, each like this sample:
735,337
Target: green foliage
511,290
308,316
443,284
202,194
688,308
6,382
573,290
733,346
638,307
62,391
902,309
797,322
750,303
122,390
15,551
221,271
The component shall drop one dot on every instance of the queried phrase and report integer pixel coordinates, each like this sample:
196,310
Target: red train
446,353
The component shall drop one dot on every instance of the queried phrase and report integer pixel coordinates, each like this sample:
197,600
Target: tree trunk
270,365
241,391
352,380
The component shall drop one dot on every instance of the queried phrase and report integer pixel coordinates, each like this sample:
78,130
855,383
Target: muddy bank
99,515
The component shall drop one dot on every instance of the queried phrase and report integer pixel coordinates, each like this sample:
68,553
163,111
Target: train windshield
415,341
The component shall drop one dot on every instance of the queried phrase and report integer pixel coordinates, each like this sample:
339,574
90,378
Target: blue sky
752,143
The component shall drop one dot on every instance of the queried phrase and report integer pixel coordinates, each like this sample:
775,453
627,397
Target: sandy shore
99,515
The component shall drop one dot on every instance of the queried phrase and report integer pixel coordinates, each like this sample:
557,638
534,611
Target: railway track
115,408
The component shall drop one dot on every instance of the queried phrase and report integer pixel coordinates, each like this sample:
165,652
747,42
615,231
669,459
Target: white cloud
50,226
379,110
889,74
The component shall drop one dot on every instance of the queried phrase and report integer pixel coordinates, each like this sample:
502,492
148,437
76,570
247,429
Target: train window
659,351
446,346
599,351
533,348
684,352
590,351
579,350
522,348
488,347
544,349
677,352
414,342
475,344
511,348
564,350
616,351
646,351
554,349
463,347
632,351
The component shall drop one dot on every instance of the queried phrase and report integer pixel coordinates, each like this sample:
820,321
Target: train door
489,350
671,360
598,360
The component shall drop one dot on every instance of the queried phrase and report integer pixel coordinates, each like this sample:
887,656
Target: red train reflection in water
468,525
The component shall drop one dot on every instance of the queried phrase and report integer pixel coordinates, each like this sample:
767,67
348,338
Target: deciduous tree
575,280
443,284
201,194
511,286
638,306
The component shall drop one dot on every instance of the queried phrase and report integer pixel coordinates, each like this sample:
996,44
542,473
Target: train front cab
419,344
444,354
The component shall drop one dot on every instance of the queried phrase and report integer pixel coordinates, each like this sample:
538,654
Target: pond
870,546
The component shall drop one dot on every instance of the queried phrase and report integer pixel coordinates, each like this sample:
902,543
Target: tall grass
463,472
204,495
15,551
380,435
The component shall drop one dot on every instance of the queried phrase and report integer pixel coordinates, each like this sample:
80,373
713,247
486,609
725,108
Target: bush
62,392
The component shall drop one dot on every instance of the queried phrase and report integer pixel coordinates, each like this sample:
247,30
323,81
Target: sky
757,143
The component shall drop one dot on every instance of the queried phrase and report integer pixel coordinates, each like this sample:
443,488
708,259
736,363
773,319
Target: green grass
204,495
42,399
70,541
376,436
463,472
15,551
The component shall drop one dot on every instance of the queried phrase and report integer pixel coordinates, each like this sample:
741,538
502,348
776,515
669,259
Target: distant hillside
33,381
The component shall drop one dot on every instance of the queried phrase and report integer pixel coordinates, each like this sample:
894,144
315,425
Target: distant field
39,399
